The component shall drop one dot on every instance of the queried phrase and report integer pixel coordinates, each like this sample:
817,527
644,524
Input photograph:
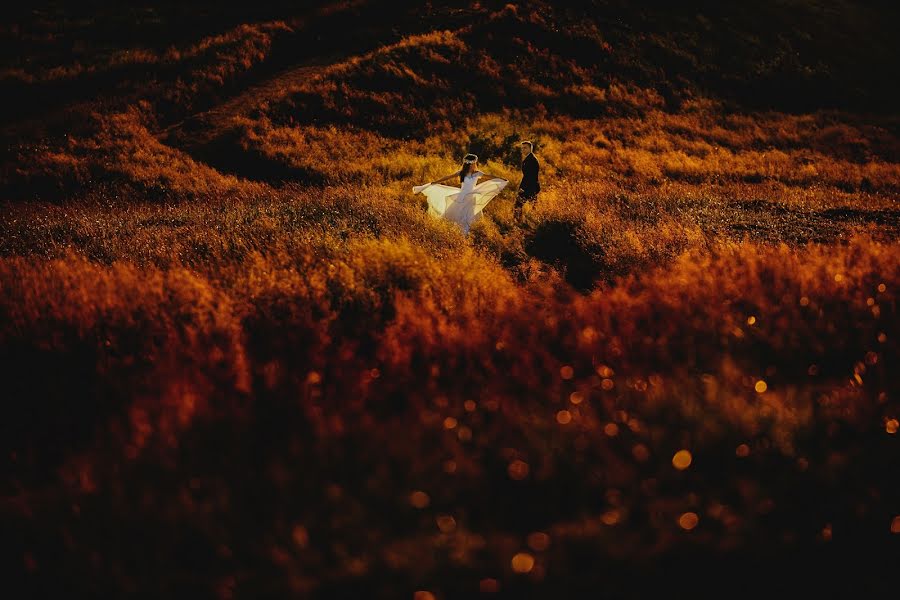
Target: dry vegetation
240,360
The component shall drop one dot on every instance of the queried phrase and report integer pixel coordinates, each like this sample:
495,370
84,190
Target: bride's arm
452,175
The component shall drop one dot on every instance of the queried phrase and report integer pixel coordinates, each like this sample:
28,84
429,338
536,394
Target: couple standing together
463,205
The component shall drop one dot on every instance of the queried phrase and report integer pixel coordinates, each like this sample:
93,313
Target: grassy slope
240,359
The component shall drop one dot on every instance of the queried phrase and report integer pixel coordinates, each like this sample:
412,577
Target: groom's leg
517,208
520,203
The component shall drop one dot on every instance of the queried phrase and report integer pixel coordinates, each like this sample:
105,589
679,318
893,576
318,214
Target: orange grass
380,348
210,61
240,340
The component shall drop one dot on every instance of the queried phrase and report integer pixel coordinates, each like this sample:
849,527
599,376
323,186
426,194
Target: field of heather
238,359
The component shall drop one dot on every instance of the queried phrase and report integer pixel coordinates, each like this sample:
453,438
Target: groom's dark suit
529,188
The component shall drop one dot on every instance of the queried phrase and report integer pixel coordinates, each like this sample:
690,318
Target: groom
529,188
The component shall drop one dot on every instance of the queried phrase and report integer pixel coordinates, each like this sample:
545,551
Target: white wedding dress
462,205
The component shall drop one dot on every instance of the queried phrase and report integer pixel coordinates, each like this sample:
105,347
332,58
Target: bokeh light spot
522,562
446,523
300,536
538,541
518,470
640,452
688,520
611,517
419,499
682,460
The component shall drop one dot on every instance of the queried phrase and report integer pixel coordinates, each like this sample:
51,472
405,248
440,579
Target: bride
462,205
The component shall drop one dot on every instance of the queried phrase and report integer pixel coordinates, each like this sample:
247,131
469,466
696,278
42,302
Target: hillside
240,360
